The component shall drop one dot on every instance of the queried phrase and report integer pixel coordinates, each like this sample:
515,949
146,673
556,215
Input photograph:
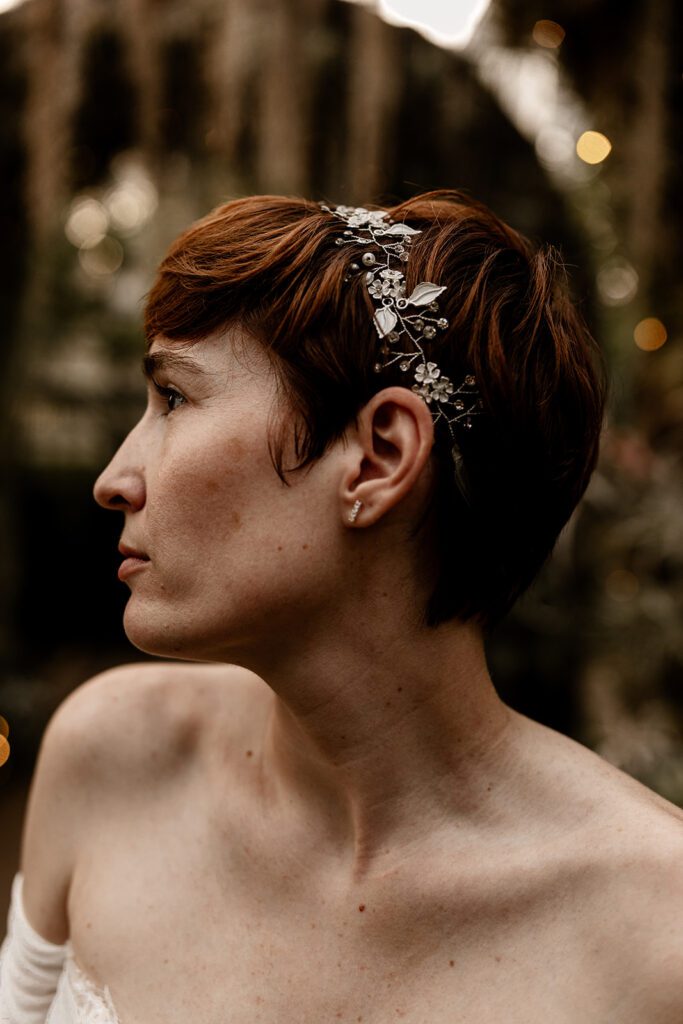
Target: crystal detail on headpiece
405,322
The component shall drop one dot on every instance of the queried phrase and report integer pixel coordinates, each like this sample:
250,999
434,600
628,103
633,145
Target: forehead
232,349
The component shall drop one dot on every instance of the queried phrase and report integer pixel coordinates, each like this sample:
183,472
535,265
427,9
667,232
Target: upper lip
129,552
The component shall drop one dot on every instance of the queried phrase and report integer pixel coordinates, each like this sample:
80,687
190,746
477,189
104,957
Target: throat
368,786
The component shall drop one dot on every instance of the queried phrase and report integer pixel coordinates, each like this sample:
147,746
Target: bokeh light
548,33
617,282
4,727
4,750
593,147
554,145
447,24
131,202
103,259
87,222
650,334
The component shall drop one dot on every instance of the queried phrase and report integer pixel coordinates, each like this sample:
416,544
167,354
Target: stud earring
354,511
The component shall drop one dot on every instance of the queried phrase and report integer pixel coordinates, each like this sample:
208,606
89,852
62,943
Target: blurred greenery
117,131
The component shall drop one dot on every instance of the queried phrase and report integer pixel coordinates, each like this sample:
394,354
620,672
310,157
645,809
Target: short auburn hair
271,265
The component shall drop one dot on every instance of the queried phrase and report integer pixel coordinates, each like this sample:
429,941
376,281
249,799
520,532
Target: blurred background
121,121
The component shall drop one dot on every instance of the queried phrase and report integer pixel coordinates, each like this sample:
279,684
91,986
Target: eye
172,397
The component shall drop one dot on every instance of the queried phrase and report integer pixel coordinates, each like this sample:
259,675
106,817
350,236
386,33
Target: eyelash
168,393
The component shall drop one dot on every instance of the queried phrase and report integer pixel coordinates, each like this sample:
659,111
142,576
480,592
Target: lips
129,552
134,561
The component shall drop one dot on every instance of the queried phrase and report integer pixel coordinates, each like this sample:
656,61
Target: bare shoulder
593,791
643,896
640,918
130,729
157,711
133,714
624,845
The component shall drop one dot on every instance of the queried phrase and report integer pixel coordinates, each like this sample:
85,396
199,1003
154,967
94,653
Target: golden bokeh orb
593,147
548,33
4,750
4,727
650,334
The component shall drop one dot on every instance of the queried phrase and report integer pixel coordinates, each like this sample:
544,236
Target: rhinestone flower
358,217
391,283
442,390
427,373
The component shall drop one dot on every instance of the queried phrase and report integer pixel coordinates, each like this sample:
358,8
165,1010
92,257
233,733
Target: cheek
200,489
214,501
194,477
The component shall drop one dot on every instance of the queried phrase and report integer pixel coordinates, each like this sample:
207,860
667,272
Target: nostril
107,498
120,491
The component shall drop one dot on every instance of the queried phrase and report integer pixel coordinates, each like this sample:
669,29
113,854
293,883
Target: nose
121,485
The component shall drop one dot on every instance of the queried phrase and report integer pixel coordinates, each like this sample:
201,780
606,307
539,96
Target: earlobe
392,445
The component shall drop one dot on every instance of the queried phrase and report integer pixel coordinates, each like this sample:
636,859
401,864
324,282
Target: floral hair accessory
404,322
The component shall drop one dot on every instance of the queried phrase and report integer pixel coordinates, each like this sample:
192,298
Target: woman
364,433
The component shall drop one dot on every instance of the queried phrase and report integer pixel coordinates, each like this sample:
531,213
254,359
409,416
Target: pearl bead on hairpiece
405,322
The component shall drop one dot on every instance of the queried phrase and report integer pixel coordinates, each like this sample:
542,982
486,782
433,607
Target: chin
151,636
167,636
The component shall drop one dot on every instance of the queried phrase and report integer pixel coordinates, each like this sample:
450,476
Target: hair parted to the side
271,265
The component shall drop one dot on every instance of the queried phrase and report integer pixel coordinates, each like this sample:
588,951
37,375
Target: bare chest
176,944
189,914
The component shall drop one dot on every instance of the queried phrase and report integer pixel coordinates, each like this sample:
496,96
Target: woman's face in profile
235,557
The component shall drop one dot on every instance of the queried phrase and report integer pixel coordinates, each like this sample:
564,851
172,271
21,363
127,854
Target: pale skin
337,818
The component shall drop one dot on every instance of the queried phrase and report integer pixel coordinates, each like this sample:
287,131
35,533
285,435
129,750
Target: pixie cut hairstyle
271,265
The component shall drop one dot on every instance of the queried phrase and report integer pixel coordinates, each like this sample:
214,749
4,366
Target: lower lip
131,565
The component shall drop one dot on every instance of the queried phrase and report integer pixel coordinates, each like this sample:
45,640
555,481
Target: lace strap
93,1005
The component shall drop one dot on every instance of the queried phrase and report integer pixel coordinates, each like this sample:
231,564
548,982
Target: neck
376,743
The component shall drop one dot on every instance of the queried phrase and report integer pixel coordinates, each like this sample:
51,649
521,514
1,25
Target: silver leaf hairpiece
405,322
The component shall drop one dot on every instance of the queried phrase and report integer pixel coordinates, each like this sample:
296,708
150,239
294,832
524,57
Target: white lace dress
40,982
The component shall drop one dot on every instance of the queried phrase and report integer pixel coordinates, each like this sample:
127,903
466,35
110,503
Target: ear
386,454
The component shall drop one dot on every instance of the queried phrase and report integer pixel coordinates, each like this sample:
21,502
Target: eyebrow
153,362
